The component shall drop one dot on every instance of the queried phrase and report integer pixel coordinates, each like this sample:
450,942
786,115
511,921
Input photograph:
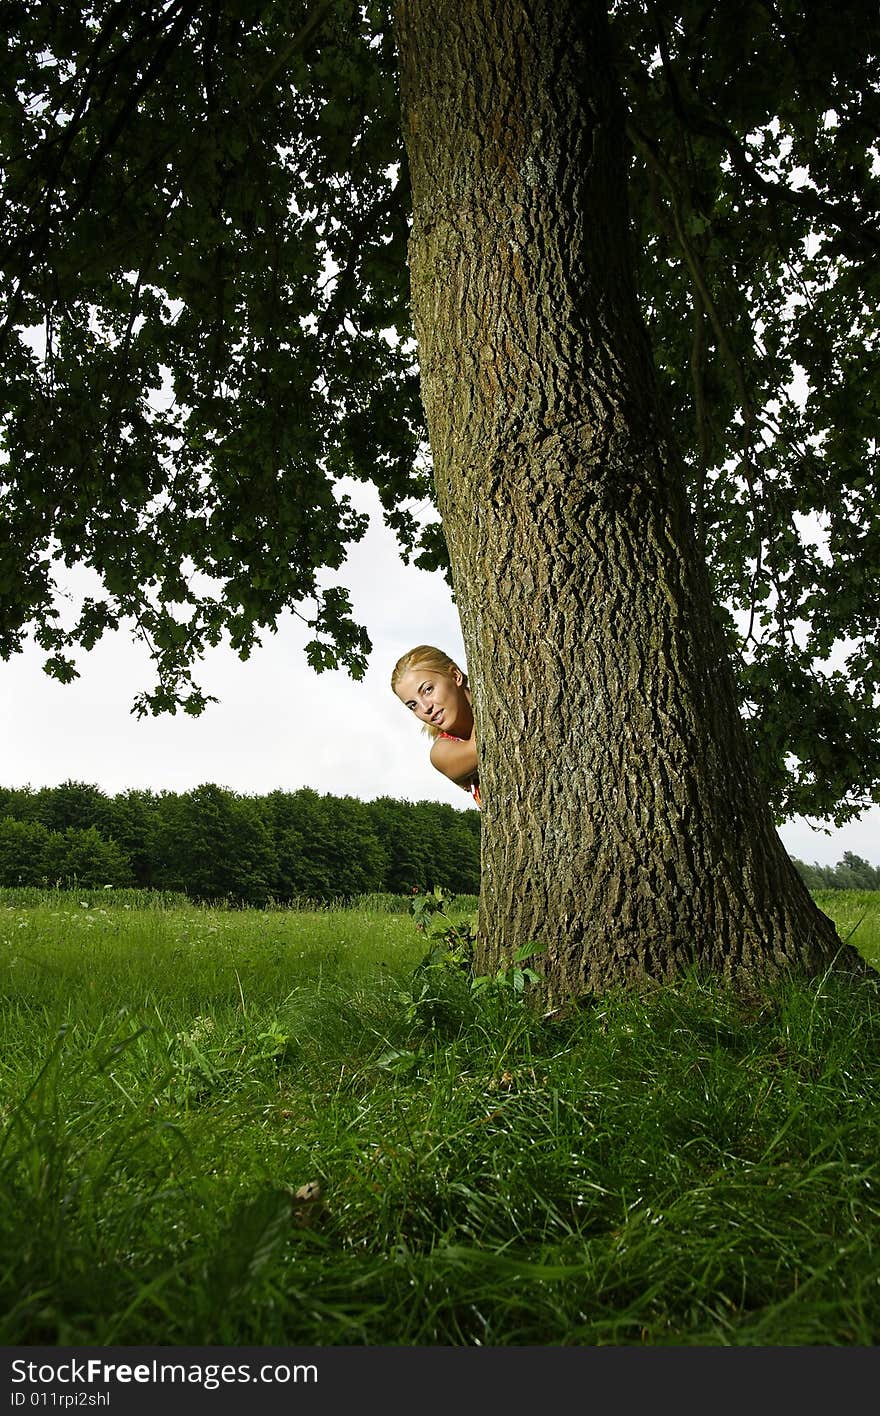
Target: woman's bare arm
456,759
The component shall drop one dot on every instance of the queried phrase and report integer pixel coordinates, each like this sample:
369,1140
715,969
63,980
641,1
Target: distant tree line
212,843
850,873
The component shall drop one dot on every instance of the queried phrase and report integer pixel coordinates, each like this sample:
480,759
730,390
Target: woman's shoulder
439,744
444,749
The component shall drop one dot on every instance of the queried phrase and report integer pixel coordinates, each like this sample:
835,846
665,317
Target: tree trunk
623,826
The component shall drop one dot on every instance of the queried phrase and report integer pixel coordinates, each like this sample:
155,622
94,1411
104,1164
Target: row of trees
850,873
213,843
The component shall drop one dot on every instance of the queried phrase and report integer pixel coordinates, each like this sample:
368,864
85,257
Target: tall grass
108,896
681,1168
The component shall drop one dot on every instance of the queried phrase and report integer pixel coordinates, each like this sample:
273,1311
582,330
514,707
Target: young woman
432,686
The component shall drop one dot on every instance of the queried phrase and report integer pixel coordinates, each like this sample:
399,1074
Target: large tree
205,212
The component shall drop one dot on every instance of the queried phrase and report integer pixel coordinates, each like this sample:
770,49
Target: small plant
451,945
451,949
440,980
513,979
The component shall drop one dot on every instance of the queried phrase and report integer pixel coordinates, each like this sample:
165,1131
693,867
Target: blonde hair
425,656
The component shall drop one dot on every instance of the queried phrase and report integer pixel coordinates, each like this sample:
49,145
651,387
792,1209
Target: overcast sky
278,724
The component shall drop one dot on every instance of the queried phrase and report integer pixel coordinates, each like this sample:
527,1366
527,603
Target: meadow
259,1127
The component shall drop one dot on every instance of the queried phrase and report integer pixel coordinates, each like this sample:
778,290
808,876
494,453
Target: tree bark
623,825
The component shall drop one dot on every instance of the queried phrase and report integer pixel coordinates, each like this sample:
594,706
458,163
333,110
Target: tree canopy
203,222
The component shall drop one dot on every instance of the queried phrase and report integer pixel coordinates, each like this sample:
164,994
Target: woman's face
439,699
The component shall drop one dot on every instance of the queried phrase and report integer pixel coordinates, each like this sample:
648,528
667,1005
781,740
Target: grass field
677,1169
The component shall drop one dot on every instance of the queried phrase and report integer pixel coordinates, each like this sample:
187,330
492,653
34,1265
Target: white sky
278,724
